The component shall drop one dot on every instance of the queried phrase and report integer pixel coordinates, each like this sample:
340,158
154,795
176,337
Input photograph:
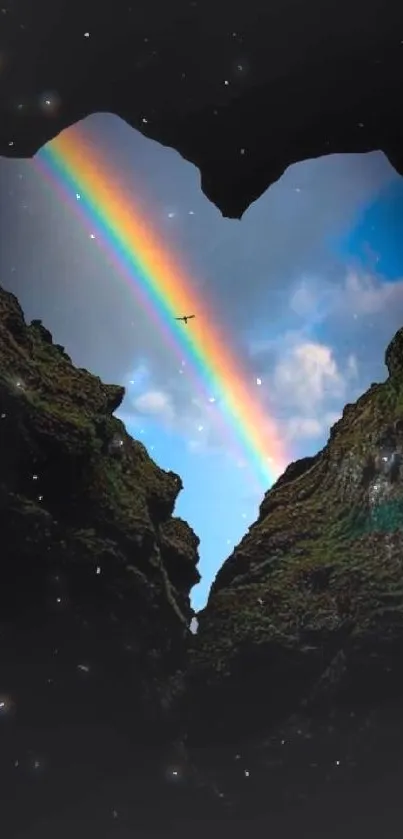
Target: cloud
308,380
307,387
274,284
303,427
196,418
367,294
356,294
365,313
303,299
305,381
155,403
287,234
308,375
312,296
306,428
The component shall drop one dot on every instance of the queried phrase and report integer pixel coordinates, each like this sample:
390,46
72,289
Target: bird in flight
185,318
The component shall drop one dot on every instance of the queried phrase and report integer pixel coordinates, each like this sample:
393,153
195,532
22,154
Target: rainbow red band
160,284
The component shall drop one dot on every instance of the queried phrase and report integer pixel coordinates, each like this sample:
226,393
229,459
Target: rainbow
82,176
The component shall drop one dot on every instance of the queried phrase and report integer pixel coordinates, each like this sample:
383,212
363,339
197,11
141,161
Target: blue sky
375,241
308,285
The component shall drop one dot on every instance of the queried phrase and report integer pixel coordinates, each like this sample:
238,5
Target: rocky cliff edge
94,591
282,715
296,673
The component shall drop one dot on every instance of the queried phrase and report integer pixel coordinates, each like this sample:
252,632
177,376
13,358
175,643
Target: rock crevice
95,581
290,694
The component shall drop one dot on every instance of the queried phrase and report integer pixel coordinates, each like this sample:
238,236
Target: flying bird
185,318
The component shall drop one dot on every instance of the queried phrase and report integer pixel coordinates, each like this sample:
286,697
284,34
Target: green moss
326,552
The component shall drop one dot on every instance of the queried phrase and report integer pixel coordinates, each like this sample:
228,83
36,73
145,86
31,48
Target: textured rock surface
95,575
285,719
242,90
298,662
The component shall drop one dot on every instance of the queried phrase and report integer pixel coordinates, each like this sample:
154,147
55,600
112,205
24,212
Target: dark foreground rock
95,574
282,716
297,667
240,89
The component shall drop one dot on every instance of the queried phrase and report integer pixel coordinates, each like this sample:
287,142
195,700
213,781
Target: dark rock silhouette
241,90
94,597
282,714
296,672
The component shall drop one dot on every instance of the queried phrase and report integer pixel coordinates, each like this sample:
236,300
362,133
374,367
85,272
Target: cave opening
107,238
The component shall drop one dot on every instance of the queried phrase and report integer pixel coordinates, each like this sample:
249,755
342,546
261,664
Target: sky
307,289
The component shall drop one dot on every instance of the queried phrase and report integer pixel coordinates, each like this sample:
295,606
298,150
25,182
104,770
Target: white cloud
303,299
303,427
155,403
305,382
308,388
197,420
307,428
309,374
366,294
312,297
358,296
308,381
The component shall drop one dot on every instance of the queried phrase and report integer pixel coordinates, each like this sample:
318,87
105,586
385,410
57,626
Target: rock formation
241,90
282,715
297,675
95,574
